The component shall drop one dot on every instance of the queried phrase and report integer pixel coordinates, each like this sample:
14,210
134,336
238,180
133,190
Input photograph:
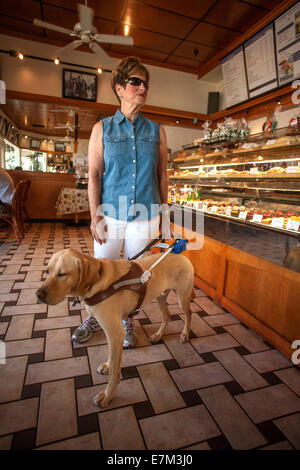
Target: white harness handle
147,274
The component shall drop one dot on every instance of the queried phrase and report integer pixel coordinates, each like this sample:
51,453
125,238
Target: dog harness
135,279
131,280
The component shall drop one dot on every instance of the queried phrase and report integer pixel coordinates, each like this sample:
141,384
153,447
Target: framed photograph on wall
35,144
79,85
58,147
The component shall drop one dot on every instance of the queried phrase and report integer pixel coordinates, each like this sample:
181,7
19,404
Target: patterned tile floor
225,389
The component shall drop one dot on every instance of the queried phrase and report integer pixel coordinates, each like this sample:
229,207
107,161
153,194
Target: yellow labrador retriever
70,272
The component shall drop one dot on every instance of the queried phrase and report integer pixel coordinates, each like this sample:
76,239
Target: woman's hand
99,229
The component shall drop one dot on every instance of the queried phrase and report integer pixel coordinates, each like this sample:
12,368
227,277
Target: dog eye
61,274
47,271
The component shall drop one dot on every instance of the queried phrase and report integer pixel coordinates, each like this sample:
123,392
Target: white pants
131,236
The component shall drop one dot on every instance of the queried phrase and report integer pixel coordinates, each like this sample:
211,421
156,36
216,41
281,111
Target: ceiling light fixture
56,61
99,70
126,30
20,56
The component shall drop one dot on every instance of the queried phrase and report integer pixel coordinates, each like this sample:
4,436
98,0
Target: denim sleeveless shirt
131,153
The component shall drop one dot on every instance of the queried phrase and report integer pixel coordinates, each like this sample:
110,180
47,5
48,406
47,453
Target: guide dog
72,273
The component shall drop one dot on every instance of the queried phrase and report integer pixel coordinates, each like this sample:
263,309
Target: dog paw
184,337
101,399
155,338
103,369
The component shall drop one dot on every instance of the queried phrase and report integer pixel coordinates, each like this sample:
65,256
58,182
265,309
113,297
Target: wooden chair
15,217
25,215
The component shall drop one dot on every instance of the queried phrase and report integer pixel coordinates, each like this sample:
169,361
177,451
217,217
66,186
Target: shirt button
132,187
133,161
131,201
133,148
133,174
132,136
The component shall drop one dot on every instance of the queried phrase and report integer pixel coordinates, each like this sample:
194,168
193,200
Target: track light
99,70
56,61
20,56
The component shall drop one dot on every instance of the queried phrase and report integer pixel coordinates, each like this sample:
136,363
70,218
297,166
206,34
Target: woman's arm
96,167
162,175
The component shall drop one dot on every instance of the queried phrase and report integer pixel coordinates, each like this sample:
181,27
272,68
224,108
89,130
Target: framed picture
79,85
58,147
35,144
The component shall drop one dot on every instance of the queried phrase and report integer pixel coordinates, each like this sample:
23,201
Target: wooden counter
262,295
43,193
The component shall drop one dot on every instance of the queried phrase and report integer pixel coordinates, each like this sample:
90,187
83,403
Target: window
32,160
12,156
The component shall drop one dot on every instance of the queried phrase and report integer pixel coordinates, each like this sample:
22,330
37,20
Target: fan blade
115,39
86,16
54,27
98,50
69,47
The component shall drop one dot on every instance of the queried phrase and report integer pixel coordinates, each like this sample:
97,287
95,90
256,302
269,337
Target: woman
127,179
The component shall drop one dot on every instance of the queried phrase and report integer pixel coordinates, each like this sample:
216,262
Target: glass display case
248,189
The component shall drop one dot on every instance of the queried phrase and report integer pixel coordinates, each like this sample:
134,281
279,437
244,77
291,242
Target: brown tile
267,360
98,355
172,327
128,392
201,446
54,323
240,370
8,297
33,276
27,297
21,310
153,312
199,326
57,414
246,338
58,344
87,442
20,327
214,343
160,388
27,285
291,377
179,428
59,310
220,320
55,370
269,403
12,277
112,425
200,376
283,445
3,327
290,426
6,286
5,442
142,338
24,347
12,378
184,353
234,423
19,415
208,305
145,355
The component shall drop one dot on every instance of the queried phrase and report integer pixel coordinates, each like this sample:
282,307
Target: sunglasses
135,81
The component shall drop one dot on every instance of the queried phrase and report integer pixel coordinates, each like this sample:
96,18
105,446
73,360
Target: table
72,201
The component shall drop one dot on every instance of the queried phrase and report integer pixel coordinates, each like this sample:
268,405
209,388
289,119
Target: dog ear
88,273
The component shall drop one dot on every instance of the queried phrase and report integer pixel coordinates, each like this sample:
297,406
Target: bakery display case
248,193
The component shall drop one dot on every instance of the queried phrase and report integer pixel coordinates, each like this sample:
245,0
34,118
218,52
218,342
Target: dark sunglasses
135,81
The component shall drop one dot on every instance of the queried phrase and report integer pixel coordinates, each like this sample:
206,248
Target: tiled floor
225,389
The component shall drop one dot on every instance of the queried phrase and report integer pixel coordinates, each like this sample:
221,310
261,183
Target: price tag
247,146
293,225
257,218
271,142
228,211
291,169
243,215
253,171
214,208
277,223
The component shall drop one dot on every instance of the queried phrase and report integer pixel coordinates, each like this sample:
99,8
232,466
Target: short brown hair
125,68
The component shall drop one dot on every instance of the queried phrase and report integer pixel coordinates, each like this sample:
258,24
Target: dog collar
131,281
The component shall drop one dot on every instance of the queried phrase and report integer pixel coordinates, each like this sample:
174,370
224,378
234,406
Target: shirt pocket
149,145
115,146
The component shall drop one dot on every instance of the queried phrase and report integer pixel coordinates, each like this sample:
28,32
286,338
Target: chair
25,215
15,217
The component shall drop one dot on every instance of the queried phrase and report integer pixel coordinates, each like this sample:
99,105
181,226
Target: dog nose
41,294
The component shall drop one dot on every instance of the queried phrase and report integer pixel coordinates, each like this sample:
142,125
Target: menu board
234,76
287,34
260,62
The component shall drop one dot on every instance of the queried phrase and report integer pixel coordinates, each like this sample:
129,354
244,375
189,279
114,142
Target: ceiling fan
86,32
65,126
71,112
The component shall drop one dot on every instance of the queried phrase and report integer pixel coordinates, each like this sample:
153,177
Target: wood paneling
264,296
